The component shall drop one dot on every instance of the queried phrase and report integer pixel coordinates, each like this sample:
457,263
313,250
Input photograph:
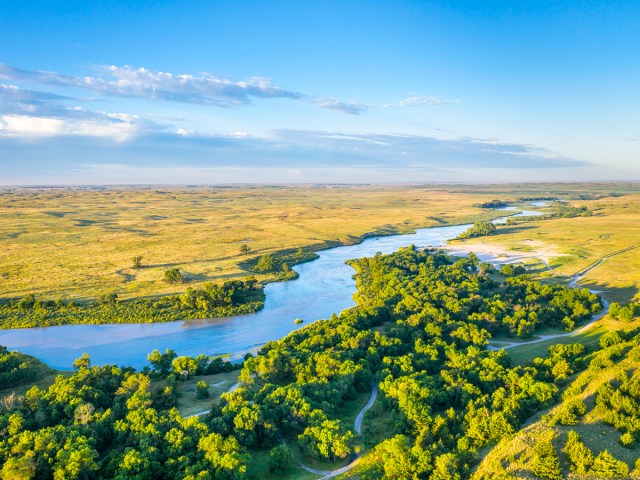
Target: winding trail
572,284
233,387
357,426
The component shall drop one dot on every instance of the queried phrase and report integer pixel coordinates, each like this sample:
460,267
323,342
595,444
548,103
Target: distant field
79,243
582,241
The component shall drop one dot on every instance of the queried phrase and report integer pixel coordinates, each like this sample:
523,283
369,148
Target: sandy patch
494,253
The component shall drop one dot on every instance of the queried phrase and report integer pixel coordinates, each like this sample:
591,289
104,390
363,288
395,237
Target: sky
210,92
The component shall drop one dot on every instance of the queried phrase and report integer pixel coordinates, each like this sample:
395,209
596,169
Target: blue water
325,286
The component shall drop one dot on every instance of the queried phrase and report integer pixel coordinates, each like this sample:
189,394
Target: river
324,286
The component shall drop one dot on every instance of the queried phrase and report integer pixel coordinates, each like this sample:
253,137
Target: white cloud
416,101
352,108
32,126
127,81
201,89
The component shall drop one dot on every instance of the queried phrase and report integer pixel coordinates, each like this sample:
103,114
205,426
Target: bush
570,412
606,465
279,460
609,339
545,461
579,454
627,439
173,275
202,390
137,261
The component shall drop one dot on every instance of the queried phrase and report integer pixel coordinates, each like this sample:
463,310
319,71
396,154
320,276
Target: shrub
606,465
202,390
627,439
279,459
173,275
137,261
609,339
545,461
579,454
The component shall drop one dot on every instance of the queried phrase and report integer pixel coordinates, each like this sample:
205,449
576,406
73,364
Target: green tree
279,460
545,461
479,229
82,362
224,457
185,366
77,460
19,468
245,249
267,263
202,390
329,440
161,362
173,275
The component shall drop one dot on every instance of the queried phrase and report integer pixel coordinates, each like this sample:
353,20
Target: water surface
325,286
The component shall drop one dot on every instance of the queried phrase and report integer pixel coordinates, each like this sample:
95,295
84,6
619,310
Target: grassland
79,243
579,243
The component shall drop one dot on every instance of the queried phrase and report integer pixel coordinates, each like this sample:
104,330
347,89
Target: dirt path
357,426
233,387
543,338
574,282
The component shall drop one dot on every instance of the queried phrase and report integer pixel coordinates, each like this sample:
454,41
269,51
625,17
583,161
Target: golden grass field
79,243
580,242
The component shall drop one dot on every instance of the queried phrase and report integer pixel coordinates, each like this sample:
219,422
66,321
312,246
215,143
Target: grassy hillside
600,405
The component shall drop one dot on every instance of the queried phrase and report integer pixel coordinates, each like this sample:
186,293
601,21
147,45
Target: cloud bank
284,156
201,89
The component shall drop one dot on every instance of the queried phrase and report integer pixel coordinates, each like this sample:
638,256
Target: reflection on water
325,286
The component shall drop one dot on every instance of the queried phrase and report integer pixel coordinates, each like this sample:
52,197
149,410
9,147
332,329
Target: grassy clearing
188,404
258,469
378,424
46,377
524,354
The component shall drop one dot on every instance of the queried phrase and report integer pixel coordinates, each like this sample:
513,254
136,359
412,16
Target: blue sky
331,91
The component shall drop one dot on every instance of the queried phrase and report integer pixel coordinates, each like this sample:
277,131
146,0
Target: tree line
233,297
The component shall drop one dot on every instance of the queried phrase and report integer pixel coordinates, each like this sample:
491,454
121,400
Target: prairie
80,243
572,245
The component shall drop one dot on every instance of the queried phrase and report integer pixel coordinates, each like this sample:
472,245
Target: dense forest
233,297
419,331
17,368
